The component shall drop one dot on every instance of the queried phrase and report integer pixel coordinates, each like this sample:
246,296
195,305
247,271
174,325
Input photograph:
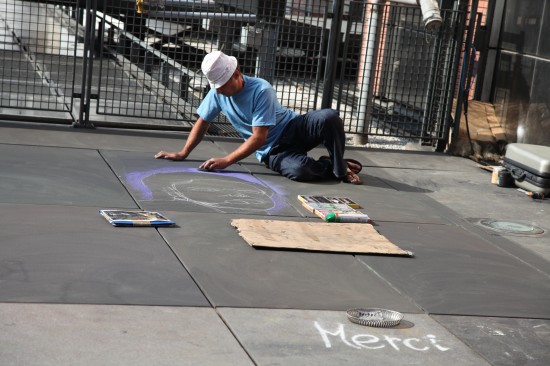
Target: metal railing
139,66
38,54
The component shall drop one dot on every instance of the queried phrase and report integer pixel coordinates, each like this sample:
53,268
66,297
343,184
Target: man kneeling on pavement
279,137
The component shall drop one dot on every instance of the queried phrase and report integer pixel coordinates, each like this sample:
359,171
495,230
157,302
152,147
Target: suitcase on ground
529,166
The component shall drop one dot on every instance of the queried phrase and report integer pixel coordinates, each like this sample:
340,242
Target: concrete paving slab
272,280
64,254
38,334
294,337
503,341
468,194
456,272
232,273
260,170
417,160
36,115
45,175
380,201
180,186
455,189
44,134
531,249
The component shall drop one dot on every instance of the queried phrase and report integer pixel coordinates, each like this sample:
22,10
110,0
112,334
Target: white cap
218,68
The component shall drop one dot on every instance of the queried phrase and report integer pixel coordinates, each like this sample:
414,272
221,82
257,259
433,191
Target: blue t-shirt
255,105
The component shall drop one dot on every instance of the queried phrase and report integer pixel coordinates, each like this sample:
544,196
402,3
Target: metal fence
38,54
137,64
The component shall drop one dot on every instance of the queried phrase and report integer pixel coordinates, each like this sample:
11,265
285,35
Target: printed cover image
135,218
329,199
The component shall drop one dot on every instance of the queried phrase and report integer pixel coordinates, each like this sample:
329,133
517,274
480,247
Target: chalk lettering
407,343
370,339
372,342
390,341
432,339
339,332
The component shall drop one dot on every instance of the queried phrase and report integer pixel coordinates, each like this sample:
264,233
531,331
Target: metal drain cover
511,227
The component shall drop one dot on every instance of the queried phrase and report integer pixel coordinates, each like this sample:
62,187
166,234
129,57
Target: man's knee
332,119
309,170
298,174
332,115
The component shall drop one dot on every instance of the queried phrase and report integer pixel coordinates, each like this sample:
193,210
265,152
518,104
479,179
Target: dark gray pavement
76,291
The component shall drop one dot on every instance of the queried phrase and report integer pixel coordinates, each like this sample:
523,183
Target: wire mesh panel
38,51
396,75
392,76
160,45
374,62
134,78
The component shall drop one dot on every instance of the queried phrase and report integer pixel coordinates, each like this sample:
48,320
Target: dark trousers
289,155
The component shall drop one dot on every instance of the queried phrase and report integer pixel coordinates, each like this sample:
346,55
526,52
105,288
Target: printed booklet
135,218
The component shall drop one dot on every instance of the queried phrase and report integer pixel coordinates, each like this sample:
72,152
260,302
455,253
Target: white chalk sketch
374,342
222,196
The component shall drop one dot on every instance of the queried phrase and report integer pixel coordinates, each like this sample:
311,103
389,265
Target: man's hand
170,155
195,136
215,164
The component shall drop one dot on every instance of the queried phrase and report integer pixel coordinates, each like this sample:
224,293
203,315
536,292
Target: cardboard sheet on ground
316,236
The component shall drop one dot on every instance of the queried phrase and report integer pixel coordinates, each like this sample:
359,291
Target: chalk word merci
369,341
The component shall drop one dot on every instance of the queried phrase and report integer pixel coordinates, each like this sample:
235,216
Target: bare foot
352,178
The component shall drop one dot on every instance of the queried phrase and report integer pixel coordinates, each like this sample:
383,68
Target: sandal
352,164
352,178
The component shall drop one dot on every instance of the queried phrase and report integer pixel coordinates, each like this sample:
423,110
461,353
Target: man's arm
257,140
195,137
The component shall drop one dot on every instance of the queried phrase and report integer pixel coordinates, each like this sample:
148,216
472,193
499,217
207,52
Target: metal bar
176,3
460,23
344,60
266,55
332,53
368,75
431,95
320,56
87,63
465,61
181,15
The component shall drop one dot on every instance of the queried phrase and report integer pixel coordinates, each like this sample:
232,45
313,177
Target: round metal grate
511,227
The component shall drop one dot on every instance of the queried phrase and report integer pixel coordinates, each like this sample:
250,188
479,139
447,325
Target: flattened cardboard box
316,236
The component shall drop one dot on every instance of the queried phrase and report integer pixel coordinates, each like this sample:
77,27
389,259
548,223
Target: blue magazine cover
135,218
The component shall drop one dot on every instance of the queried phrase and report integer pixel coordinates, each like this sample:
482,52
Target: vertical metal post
87,65
332,53
266,58
269,13
457,19
319,70
434,100
369,72
460,13
462,96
